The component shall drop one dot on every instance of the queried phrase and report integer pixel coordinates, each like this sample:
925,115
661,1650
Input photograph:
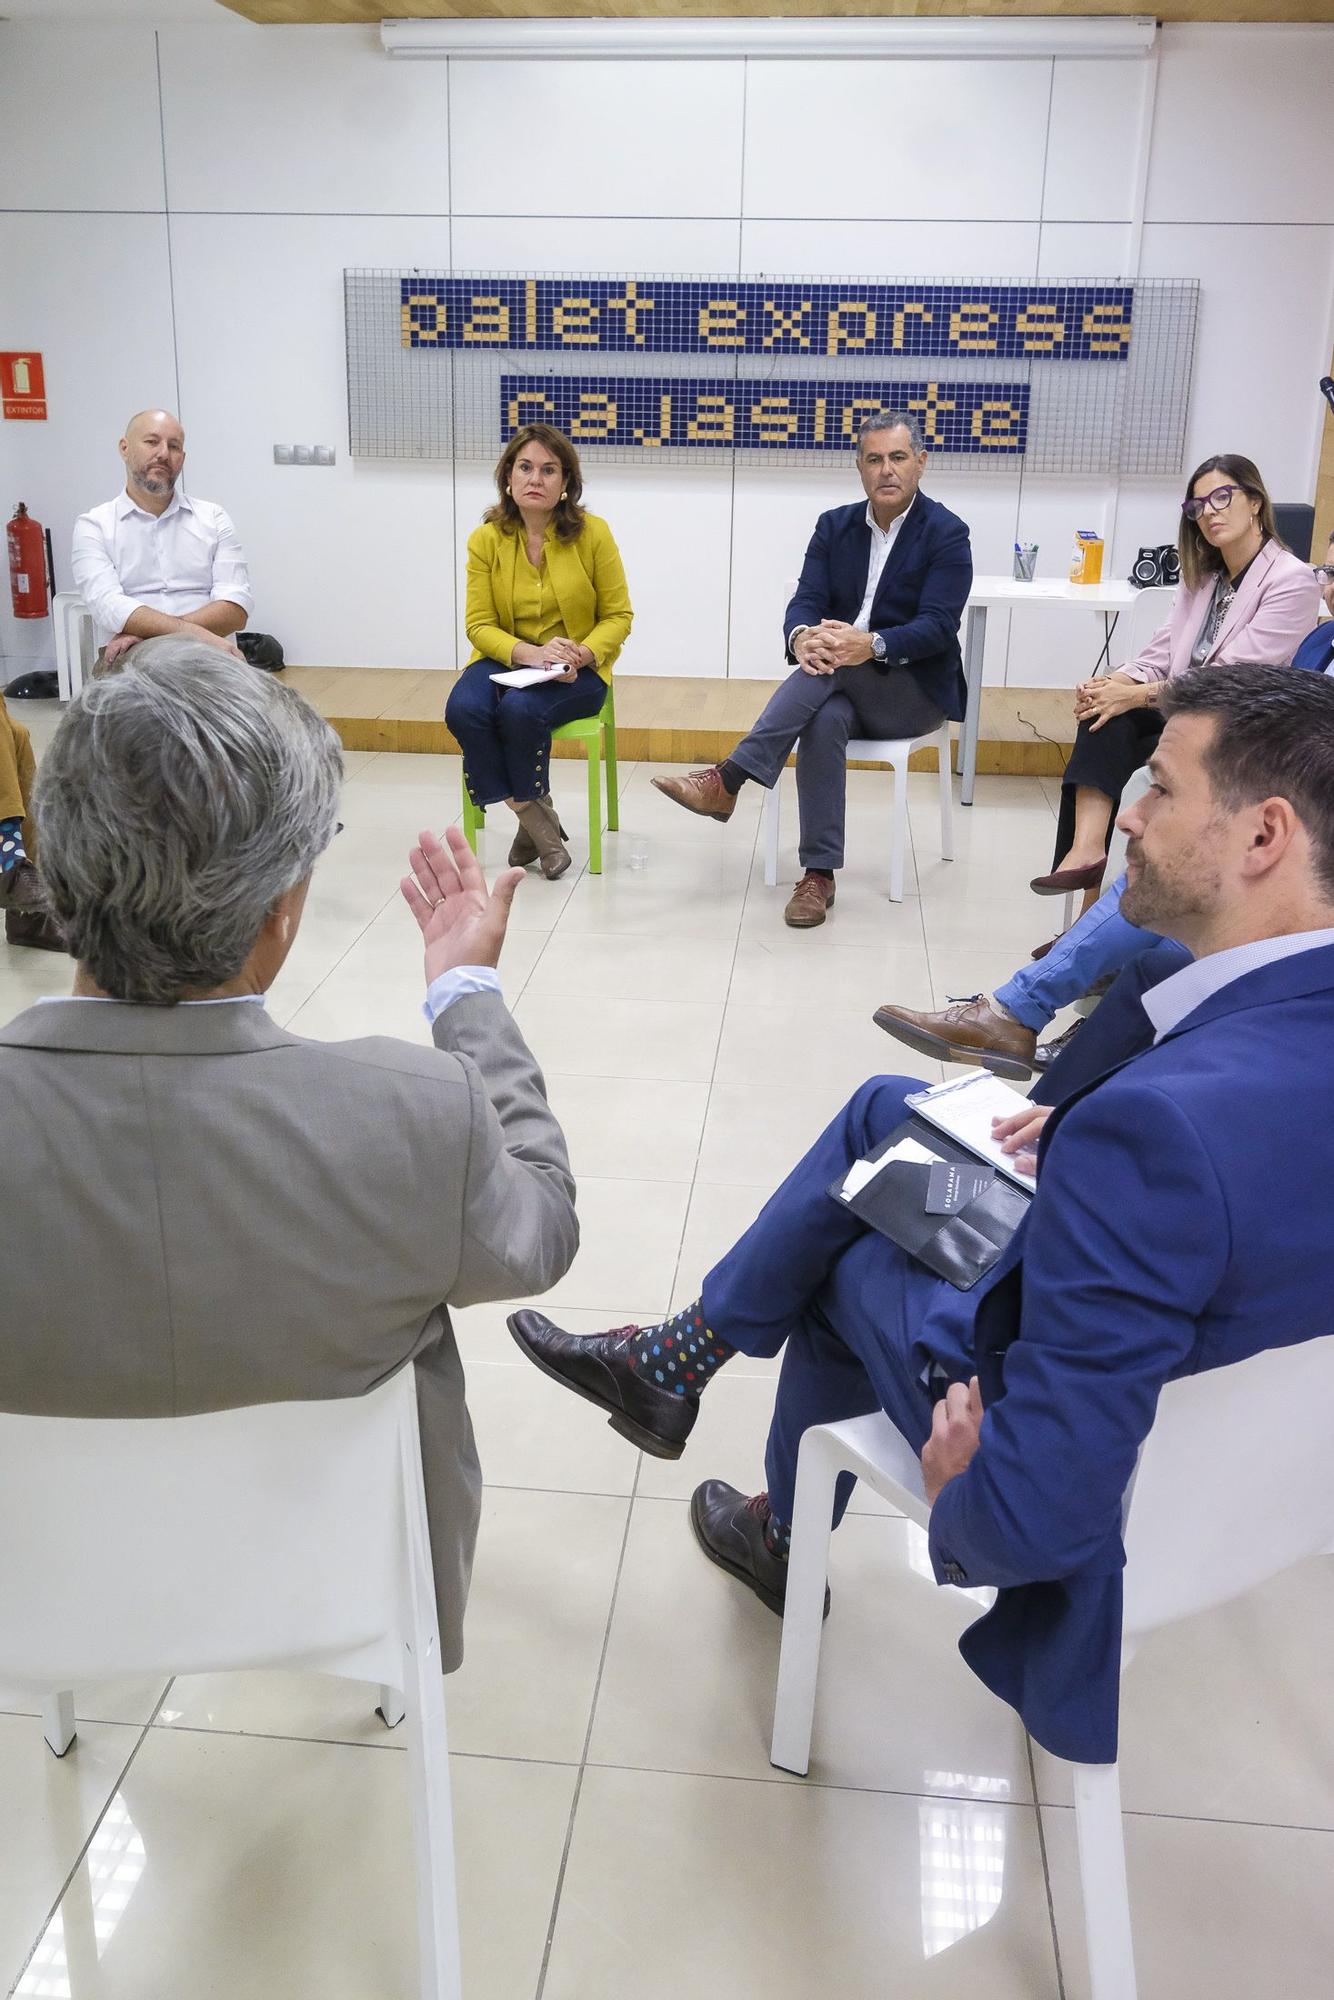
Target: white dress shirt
1168,1003
125,558
882,541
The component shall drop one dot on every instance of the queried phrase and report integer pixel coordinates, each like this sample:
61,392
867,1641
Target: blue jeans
1101,942
505,733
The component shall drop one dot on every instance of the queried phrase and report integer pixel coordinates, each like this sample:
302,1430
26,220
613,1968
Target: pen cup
1025,561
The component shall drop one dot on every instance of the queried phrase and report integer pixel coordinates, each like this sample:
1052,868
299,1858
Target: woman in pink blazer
1242,597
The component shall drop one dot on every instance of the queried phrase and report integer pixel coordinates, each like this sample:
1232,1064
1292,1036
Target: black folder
961,1247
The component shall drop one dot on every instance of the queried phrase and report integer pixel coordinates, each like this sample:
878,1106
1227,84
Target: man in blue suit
874,634
1181,1222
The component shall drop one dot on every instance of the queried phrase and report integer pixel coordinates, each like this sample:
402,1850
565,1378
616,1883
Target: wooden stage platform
1025,731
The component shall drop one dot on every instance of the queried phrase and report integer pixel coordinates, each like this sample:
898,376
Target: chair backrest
282,1533
1145,615
1235,1483
1295,521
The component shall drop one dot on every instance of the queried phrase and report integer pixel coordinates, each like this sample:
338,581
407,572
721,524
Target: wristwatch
877,646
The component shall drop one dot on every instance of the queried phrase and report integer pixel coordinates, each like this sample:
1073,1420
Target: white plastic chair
284,1535
882,750
74,634
1208,1515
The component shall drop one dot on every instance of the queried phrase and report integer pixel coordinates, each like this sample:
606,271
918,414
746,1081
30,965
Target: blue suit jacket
918,602
1181,1222
1316,651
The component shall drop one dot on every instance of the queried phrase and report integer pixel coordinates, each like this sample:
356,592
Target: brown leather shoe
701,792
809,902
967,1031
35,928
1069,881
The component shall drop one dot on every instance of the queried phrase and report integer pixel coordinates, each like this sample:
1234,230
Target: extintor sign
23,387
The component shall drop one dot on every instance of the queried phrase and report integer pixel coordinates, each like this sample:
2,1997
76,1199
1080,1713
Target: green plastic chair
598,734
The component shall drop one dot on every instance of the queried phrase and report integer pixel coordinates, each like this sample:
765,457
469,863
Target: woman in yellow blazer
545,589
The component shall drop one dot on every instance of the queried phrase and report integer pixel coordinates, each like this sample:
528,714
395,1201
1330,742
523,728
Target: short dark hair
1275,739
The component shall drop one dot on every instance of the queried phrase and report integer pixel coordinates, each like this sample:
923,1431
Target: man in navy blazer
1181,1222
873,632
1316,651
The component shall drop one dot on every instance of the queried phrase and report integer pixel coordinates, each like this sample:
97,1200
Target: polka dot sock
777,1534
681,1353
12,850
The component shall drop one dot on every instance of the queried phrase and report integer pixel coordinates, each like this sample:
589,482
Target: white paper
525,677
862,1171
965,1110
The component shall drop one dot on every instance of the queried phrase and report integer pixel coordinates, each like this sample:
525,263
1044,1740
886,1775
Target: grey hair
892,420
178,800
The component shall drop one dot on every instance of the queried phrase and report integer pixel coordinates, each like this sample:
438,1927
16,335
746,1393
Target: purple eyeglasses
1216,501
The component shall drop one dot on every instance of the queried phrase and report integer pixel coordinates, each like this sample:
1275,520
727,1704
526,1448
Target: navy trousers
505,733
852,1308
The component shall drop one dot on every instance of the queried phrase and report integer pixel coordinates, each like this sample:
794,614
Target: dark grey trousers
819,712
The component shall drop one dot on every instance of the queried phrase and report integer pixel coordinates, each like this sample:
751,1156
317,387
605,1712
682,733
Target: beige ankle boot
539,821
523,852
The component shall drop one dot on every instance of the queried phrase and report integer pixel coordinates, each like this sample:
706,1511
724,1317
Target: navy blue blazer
1181,1223
1317,649
918,602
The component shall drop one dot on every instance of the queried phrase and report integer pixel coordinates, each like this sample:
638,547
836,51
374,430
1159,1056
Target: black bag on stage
262,650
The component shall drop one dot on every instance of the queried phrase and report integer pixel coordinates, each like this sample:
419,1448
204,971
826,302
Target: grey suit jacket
204,1211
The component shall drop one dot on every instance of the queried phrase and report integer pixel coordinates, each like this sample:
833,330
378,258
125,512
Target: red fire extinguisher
27,565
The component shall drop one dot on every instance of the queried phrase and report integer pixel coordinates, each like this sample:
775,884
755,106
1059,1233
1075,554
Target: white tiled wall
178,207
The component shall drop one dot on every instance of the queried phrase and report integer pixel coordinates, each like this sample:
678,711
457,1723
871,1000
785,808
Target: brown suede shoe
967,1031
809,902
35,928
1069,881
700,792
21,888
523,849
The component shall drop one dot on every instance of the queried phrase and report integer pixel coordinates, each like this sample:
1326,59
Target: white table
1006,593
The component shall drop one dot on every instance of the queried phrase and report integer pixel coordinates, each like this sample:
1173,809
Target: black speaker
1154,567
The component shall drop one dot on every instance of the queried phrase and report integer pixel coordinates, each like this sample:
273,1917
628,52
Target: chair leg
1102,1872
594,748
60,626
1068,911
900,833
473,818
432,1826
613,792
390,1708
946,794
771,818
58,1725
803,1608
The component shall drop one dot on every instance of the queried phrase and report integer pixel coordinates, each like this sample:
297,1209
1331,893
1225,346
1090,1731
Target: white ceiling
114,13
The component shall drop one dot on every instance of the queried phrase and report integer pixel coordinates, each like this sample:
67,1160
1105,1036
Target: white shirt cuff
456,984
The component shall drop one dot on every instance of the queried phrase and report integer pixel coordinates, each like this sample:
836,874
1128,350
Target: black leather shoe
730,1530
600,1367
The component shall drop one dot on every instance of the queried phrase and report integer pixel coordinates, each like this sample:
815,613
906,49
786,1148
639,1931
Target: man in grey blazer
214,1212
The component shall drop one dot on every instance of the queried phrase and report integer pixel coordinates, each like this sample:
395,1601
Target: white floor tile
1218,1912
780,1892
233,1869
897,1709
51,1805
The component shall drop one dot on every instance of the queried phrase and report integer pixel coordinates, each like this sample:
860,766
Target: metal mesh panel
1081,376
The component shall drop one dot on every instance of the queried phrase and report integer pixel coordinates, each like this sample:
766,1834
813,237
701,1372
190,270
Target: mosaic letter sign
1088,375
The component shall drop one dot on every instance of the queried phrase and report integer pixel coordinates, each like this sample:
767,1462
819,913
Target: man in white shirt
153,560
874,633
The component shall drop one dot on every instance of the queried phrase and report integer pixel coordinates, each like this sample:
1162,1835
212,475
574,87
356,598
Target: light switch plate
302,454
324,454
282,454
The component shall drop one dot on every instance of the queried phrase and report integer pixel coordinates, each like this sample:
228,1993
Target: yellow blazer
586,575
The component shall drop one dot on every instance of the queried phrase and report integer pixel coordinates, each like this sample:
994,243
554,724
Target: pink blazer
1277,605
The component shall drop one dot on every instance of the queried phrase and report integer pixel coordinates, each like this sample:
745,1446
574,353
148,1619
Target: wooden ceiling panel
290,12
